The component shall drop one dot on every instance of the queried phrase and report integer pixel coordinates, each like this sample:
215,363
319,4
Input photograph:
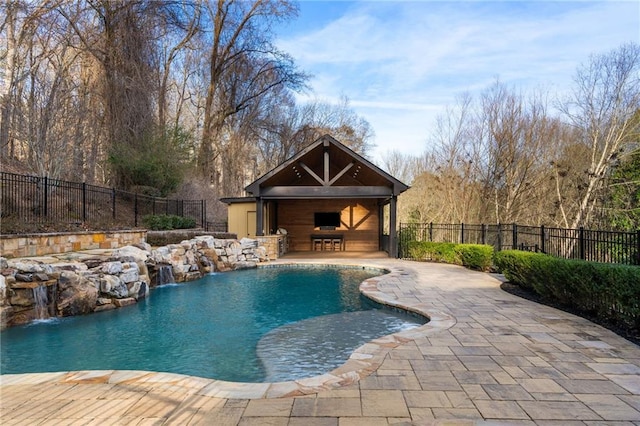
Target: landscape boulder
77,295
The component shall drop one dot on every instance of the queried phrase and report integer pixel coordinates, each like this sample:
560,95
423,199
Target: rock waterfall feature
39,288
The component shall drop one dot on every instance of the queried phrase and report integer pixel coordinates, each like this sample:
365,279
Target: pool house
325,198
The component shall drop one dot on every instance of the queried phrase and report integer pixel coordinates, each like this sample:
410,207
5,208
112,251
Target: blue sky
401,62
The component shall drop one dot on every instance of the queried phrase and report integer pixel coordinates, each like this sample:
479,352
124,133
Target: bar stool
336,242
317,244
326,244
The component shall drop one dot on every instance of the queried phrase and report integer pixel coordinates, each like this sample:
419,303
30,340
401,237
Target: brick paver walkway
487,358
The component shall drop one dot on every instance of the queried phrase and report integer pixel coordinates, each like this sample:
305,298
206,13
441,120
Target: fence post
46,197
84,201
542,244
135,209
462,233
581,242
430,231
113,202
515,236
483,233
637,260
499,236
203,213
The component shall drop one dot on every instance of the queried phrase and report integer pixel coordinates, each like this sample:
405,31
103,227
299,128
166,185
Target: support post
393,232
380,225
542,238
514,240
462,233
581,242
259,217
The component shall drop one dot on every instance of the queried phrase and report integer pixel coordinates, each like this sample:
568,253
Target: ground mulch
633,335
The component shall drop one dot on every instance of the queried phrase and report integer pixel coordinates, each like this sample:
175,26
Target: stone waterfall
41,302
164,275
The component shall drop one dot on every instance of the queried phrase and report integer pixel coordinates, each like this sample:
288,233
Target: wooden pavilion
326,197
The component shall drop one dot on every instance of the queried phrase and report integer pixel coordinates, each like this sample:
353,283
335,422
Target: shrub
516,266
415,250
162,222
608,291
475,256
437,252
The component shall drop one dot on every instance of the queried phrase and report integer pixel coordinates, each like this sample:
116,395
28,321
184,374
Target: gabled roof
326,169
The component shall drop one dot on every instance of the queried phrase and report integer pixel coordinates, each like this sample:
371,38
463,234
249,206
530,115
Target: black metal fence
586,244
38,200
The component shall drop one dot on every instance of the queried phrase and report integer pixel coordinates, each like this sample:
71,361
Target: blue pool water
259,325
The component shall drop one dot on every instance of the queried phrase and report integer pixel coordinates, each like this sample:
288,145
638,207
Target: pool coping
365,360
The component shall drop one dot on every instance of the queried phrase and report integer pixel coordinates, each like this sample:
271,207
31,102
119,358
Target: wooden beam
342,172
284,192
326,167
315,176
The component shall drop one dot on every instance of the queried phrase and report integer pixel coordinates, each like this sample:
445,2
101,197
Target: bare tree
514,151
489,161
18,29
116,35
405,167
603,108
448,190
287,127
39,106
177,25
240,36
339,120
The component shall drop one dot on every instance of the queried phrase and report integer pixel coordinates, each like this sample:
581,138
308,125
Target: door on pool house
251,223
326,197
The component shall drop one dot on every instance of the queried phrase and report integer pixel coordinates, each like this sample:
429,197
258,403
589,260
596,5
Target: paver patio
487,358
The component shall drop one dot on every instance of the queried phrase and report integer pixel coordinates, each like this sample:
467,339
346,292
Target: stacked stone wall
43,244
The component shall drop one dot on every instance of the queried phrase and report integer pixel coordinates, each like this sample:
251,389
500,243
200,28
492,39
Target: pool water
257,325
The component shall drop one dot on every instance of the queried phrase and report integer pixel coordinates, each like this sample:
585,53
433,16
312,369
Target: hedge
607,291
473,256
162,222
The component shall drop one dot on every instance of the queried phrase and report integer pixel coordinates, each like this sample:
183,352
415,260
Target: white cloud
401,63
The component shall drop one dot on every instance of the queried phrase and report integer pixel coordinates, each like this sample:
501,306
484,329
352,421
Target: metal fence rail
37,200
592,245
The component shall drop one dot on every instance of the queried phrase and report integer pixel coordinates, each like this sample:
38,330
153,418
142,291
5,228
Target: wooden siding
359,222
239,217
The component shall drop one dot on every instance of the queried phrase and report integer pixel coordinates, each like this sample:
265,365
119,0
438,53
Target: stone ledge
26,245
163,238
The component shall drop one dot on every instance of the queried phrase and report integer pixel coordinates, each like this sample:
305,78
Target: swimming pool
244,326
